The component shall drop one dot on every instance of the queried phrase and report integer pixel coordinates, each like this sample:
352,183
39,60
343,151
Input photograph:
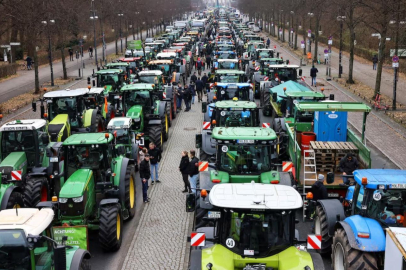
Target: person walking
145,174
70,54
199,89
204,80
155,157
348,165
193,169
193,78
268,43
179,98
142,153
199,65
90,52
208,61
374,62
184,169
319,190
313,74
29,62
193,93
187,97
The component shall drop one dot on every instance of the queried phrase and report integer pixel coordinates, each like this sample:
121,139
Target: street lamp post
45,23
310,14
120,15
340,67
94,17
291,28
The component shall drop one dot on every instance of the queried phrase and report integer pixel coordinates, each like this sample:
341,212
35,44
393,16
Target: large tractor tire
85,265
156,136
165,125
321,228
98,125
130,191
36,190
345,257
15,200
170,114
266,102
174,109
111,228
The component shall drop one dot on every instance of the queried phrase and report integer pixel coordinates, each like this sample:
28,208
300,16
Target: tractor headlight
78,199
63,200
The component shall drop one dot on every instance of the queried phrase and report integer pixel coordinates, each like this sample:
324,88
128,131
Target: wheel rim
339,257
44,194
317,226
162,141
166,123
118,227
132,197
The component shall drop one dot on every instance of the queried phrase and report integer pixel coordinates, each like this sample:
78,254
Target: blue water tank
331,126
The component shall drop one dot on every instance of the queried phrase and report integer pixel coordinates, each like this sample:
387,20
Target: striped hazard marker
197,239
164,94
256,68
303,78
203,166
266,125
16,175
206,125
266,78
252,85
211,85
313,241
287,166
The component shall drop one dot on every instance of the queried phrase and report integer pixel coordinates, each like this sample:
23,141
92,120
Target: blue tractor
353,230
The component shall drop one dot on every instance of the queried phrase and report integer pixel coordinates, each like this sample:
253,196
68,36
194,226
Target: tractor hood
76,184
270,177
135,112
57,127
16,161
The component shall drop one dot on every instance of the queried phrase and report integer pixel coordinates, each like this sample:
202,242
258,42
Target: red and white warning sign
313,241
252,85
303,78
16,175
164,95
211,85
203,166
256,68
266,125
206,125
197,239
287,166
266,78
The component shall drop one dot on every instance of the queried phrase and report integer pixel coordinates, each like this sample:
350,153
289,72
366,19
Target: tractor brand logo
203,166
197,239
256,68
266,125
266,79
287,166
313,241
206,125
16,175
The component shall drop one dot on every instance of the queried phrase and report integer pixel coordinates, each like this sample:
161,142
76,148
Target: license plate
3,177
333,195
140,141
249,252
245,141
398,186
116,97
213,214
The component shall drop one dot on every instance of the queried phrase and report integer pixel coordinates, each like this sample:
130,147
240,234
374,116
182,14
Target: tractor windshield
265,54
226,56
14,251
244,158
283,74
227,65
256,234
229,78
229,93
85,156
107,79
236,118
388,207
19,141
149,79
137,98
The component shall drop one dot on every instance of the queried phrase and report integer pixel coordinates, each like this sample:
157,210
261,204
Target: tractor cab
111,79
134,62
229,76
253,46
227,64
121,65
155,77
120,127
283,73
224,47
265,63
225,55
254,38
264,53
167,67
231,91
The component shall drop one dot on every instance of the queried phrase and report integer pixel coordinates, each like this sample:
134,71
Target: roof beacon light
364,181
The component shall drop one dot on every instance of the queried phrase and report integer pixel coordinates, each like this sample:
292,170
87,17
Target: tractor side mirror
88,80
34,105
190,202
199,140
274,96
204,107
300,72
330,178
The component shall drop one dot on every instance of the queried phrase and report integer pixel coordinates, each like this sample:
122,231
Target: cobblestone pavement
160,239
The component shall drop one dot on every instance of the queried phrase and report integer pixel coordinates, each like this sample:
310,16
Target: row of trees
36,23
354,20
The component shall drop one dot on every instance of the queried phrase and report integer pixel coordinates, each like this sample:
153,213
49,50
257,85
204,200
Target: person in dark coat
268,42
179,98
208,61
348,165
184,169
205,80
374,62
145,174
193,169
193,78
155,156
319,190
193,92
29,62
70,54
313,74
199,88
187,97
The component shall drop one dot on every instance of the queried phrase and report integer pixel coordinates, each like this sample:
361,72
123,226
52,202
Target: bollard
93,71
79,73
84,65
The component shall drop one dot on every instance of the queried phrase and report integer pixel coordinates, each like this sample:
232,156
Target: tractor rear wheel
266,102
130,191
36,190
98,125
345,257
321,228
15,200
155,136
110,230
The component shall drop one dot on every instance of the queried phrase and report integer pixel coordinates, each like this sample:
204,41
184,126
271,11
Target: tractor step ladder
309,175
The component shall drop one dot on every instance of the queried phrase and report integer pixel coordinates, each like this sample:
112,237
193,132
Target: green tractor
110,79
100,188
150,116
121,128
252,227
124,66
29,164
68,111
27,243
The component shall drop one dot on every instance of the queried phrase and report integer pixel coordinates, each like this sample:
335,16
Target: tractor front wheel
155,136
266,101
345,257
130,191
110,230
321,228
15,200
98,125
36,190
85,265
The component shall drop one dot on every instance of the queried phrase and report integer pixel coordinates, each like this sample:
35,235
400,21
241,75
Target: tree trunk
304,34
316,39
296,30
351,60
283,27
381,59
36,72
65,73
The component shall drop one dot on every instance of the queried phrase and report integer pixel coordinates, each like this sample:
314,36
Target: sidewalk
385,134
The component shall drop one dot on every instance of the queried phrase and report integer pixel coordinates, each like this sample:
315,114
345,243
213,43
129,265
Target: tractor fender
281,122
350,193
207,142
124,165
333,209
195,259
353,225
77,258
258,77
176,77
6,196
161,108
169,92
317,261
38,171
154,122
114,201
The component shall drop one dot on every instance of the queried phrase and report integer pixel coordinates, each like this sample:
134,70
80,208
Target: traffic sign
15,43
395,58
325,51
395,65
5,46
